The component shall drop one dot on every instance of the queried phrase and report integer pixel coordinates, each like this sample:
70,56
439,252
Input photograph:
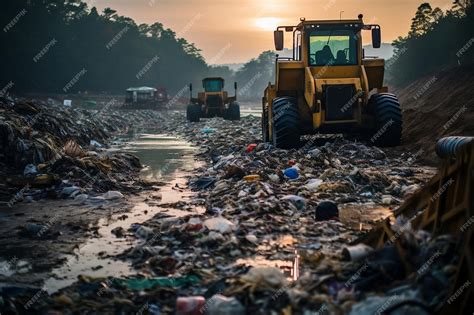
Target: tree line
437,40
64,46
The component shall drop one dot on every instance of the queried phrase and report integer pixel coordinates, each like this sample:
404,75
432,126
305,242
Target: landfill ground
223,215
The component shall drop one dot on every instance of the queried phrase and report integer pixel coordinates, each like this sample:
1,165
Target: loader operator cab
332,47
213,84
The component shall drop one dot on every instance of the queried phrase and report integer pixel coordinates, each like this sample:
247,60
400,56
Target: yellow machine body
297,77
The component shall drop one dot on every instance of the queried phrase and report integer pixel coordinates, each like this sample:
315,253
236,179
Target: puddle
285,244
168,159
246,111
290,268
363,216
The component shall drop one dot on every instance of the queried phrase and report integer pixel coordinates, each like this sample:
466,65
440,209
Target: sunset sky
234,31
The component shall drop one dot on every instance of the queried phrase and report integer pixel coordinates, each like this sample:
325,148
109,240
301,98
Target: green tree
422,21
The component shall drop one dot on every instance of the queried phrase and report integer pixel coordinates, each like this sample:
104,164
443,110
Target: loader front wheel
388,120
193,113
265,127
286,123
233,112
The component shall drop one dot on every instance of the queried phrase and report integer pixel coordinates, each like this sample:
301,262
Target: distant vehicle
146,98
329,86
213,102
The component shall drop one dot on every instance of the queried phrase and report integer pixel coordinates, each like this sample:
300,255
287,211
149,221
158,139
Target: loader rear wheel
193,113
286,123
388,120
233,112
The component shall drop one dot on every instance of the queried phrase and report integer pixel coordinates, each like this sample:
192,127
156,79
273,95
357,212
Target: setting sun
267,23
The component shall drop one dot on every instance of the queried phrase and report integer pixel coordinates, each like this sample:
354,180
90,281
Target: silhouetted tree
436,41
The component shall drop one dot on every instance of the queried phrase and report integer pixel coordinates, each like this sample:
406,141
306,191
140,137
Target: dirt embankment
437,106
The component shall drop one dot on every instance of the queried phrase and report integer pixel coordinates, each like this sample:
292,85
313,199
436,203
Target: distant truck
146,98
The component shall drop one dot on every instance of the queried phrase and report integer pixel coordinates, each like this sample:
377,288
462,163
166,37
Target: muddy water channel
168,160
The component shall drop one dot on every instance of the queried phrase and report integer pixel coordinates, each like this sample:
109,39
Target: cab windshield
213,85
333,48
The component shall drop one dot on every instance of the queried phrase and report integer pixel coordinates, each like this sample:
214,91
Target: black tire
193,113
388,120
265,130
286,123
233,112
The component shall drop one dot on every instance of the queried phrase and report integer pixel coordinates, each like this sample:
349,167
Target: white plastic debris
112,195
251,238
81,198
274,178
219,224
95,143
313,184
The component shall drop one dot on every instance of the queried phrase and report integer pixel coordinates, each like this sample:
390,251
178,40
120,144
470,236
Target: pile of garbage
57,151
277,235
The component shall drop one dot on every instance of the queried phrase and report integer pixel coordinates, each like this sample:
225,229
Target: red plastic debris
251,147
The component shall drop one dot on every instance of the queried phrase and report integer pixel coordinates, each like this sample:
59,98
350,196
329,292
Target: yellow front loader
329,86
213,102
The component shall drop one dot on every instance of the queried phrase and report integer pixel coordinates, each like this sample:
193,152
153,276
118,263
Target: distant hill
385,51
232,66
